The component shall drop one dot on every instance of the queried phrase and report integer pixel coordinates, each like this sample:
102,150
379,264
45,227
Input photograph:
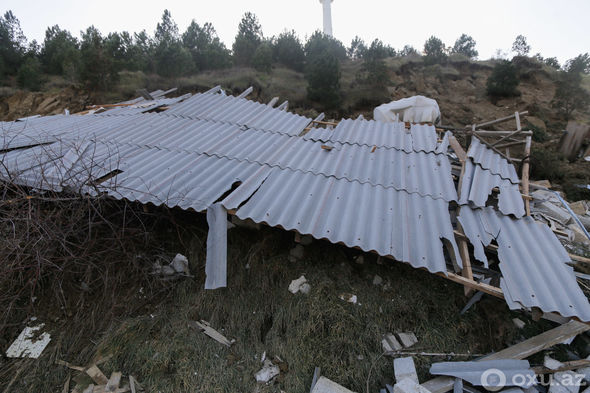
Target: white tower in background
327,5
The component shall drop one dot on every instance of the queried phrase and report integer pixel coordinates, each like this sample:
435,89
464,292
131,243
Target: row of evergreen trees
96,59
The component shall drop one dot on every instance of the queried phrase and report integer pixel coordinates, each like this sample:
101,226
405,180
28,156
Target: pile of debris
569,221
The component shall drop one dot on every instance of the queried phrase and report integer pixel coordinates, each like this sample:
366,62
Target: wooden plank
572,365
457,148
496,150
510,144
326,123
525,174
500,120
97,376
499,133
486,288
543,341
464,252
519,351
209,331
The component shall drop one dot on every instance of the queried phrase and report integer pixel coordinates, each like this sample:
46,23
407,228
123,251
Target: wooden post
525,174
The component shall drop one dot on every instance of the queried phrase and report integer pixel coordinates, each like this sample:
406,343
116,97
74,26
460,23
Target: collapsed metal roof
492,161
478,184
376,186
532,262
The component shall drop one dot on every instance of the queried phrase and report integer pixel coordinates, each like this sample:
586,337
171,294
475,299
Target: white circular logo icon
493,379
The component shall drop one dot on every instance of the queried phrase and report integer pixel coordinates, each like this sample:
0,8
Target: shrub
539,134
503,80
262,59
323,78
434,51
374,66
29,74
546,164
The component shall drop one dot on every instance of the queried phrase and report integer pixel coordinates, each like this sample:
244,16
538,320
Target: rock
297,252
348,297
305,288
180,264
268,372
360,260
518,323
296,285
536,122
306,240
377,280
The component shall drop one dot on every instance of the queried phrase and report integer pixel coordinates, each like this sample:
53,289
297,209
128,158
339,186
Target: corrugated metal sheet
478,184
186,180
240,111
489,159
532,262
477,373
143,106
380,134
406,226
422,173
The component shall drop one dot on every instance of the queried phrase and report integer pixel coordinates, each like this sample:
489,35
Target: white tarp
216,264
416,109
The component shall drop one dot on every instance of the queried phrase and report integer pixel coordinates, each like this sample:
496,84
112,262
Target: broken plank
113,383
457,148
486,288
572,365
97,376
209,331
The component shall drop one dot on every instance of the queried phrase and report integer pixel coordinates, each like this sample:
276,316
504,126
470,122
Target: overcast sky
553,28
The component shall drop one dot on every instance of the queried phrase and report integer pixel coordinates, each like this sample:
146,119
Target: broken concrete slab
557,213
489,373
268,372
409,386
390,344
324,385
404,368
407,339
209,331
29,343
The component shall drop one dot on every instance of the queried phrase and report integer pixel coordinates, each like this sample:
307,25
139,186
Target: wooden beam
457,148
496,150
525,173
486,288
500,120
326,123
465,259
510,144
499,133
